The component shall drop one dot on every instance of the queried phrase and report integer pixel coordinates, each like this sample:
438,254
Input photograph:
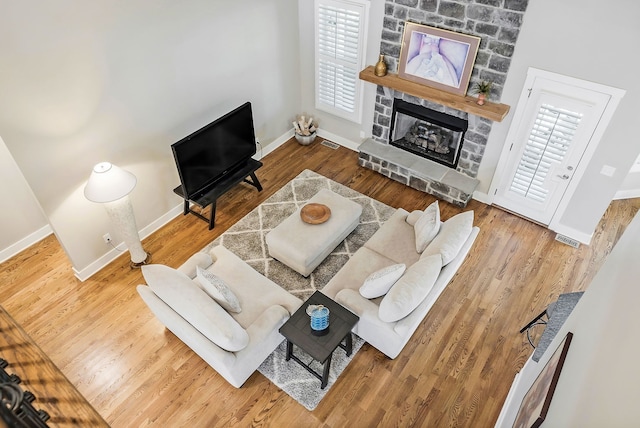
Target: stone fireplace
497,23
427,133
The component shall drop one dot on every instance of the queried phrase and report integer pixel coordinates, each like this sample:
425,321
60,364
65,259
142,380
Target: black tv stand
220,188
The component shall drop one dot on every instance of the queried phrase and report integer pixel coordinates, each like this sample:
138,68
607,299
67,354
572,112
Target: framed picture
439,58
535,405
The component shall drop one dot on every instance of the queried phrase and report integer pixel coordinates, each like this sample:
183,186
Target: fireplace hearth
427,133
427,150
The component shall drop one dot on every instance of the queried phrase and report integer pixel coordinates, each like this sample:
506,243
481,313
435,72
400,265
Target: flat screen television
217,149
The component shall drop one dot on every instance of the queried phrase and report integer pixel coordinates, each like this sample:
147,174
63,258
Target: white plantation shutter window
548,143
340,40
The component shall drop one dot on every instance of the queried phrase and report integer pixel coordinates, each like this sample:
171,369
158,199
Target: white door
546,143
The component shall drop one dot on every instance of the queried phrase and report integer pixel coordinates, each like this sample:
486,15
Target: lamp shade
108,183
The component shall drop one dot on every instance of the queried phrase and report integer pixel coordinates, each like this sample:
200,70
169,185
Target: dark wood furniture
53,392
297,331
220,188
556,313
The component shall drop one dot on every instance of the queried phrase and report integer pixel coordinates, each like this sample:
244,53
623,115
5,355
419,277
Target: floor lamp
111,185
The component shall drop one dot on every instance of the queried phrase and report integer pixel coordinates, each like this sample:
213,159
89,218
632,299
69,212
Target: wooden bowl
315,213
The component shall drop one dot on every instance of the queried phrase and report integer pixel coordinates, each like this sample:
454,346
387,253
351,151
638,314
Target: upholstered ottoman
303,246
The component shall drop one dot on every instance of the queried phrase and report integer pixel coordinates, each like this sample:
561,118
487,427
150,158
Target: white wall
21,217
589,40
630,187
598,386
586,39
121,81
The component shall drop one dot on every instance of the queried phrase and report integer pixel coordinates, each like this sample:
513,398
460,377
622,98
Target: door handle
564,176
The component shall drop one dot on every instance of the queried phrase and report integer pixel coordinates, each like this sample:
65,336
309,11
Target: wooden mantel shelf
489,110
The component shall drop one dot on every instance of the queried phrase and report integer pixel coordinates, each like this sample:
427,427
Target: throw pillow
452,236
184,296
427,226
411,289
379,282
219,291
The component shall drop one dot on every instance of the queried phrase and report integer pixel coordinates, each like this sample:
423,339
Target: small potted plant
305,130
482,88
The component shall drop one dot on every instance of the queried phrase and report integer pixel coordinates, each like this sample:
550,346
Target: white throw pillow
452,236
427,226
219,291
379,282
410,290
194,305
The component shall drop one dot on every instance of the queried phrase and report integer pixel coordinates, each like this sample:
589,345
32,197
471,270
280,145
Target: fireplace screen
433,135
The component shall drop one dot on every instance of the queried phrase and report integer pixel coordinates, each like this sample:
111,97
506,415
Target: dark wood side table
297,331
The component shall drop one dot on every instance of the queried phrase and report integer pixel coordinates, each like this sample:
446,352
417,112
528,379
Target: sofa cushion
184,296
219,291
395,240
427,226
379,282
411,289
356,270
246,283
452,236
198,259
414,216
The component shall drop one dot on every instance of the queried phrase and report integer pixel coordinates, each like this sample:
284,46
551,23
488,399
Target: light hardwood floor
455,371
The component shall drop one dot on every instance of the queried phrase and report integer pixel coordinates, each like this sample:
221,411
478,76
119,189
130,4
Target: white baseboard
520,385
321,134
158,223
273,145
103,261
339,140
482,197
25,243
97,265
579,236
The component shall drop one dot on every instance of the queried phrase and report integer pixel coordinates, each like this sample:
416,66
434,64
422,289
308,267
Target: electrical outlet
107,238
608,170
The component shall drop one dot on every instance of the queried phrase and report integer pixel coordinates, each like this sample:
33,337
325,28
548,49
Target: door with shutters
546,144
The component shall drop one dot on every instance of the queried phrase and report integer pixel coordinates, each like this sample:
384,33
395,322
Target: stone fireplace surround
455,186
497,23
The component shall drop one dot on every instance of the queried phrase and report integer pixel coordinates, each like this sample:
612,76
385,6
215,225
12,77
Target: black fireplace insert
428,133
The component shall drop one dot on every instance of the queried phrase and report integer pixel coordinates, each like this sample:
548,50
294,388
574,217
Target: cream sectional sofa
233,343
395,243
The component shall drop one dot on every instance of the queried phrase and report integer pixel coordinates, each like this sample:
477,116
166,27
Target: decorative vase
381,67
481,99
319,318
305,140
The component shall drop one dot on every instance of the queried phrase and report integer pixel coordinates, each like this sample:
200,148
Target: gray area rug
247,240
293,379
